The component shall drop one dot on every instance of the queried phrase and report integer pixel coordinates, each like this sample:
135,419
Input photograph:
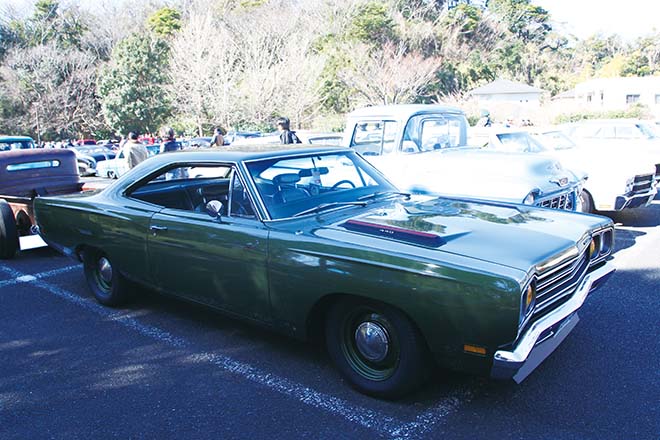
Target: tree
205,74
526,21
51,91
372,23
387,76
131,87
165,22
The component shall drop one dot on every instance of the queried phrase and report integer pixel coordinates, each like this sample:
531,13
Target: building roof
504,87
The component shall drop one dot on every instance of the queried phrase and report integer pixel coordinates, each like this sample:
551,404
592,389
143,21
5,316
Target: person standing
134,151
286,135
169,144
217,140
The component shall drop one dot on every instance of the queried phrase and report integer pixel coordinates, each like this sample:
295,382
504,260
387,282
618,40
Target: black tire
587,202
107,284
112,175
390,372
8,233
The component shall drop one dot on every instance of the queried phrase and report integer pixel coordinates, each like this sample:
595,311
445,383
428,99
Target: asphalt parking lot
161,368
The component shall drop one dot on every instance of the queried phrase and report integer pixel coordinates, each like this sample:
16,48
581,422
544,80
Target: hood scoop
394,233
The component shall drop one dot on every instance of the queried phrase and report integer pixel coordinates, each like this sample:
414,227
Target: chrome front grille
562,201
642,183
558,284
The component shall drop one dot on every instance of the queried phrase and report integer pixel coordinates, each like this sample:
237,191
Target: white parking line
24,278
373,420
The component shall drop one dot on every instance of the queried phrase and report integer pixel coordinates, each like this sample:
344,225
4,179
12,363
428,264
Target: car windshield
519,143
301,185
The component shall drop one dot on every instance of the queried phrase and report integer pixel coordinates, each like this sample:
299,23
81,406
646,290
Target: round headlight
530,199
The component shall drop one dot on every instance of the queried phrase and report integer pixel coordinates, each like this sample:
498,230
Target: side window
373,138
606,132
627,132
187,188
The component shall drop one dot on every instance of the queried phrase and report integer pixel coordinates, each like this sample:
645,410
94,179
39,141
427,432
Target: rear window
33,165
16,145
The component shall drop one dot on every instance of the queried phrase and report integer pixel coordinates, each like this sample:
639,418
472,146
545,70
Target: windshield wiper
384,193
325,206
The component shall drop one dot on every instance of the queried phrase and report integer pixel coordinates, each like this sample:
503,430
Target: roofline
403,110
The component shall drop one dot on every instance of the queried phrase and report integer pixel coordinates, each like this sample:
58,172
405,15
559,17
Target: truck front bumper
544,335
634,201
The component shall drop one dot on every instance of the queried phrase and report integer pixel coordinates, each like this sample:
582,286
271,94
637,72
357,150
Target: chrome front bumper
544,335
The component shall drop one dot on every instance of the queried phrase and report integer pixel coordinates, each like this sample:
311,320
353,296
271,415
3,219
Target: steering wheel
341,182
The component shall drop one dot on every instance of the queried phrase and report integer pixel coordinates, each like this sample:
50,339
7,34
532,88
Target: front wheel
585,200
107,284
8,232
376,348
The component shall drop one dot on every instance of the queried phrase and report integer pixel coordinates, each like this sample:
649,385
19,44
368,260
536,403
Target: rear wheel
105,281
112,175
376,348
8,232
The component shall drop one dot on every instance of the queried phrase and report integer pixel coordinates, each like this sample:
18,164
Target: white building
618,93
509,92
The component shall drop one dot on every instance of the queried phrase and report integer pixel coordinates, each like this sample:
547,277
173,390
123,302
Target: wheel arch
315,322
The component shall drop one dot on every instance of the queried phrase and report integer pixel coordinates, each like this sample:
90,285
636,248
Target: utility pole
36,112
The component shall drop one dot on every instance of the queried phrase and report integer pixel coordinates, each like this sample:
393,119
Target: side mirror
214,208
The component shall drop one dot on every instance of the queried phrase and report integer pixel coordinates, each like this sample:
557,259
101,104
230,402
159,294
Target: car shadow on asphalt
305,362
637,217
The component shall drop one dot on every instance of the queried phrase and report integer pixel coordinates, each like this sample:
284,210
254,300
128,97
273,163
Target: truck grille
556,285
562,201
642,183
657,173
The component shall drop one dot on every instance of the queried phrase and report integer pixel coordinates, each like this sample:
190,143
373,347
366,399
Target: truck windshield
7,145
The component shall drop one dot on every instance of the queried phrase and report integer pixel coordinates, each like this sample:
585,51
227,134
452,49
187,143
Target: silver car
423,148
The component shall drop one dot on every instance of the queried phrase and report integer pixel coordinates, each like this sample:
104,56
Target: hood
471,172
516,236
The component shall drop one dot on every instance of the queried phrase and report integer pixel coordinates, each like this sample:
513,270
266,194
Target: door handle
155,228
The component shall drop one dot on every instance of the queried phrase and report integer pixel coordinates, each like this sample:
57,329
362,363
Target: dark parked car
316,241
8,143
24,175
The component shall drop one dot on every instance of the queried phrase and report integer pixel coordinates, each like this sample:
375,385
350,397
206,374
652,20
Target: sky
583,18
628,18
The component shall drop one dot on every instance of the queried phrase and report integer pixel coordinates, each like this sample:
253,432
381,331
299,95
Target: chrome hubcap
105,270
372,341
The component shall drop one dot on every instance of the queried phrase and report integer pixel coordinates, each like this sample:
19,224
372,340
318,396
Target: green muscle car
315,242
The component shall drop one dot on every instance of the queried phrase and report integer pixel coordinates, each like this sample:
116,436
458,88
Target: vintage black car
24,175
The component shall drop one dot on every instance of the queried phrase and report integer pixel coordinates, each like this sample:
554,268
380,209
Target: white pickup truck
423,149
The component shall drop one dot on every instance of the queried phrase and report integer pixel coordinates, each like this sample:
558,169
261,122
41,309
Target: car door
216,261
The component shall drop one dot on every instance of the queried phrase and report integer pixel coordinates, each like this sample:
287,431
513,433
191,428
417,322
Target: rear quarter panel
117,227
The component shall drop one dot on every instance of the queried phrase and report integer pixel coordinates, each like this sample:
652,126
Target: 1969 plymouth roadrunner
316,242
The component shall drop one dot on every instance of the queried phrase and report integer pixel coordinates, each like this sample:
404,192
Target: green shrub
635,111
